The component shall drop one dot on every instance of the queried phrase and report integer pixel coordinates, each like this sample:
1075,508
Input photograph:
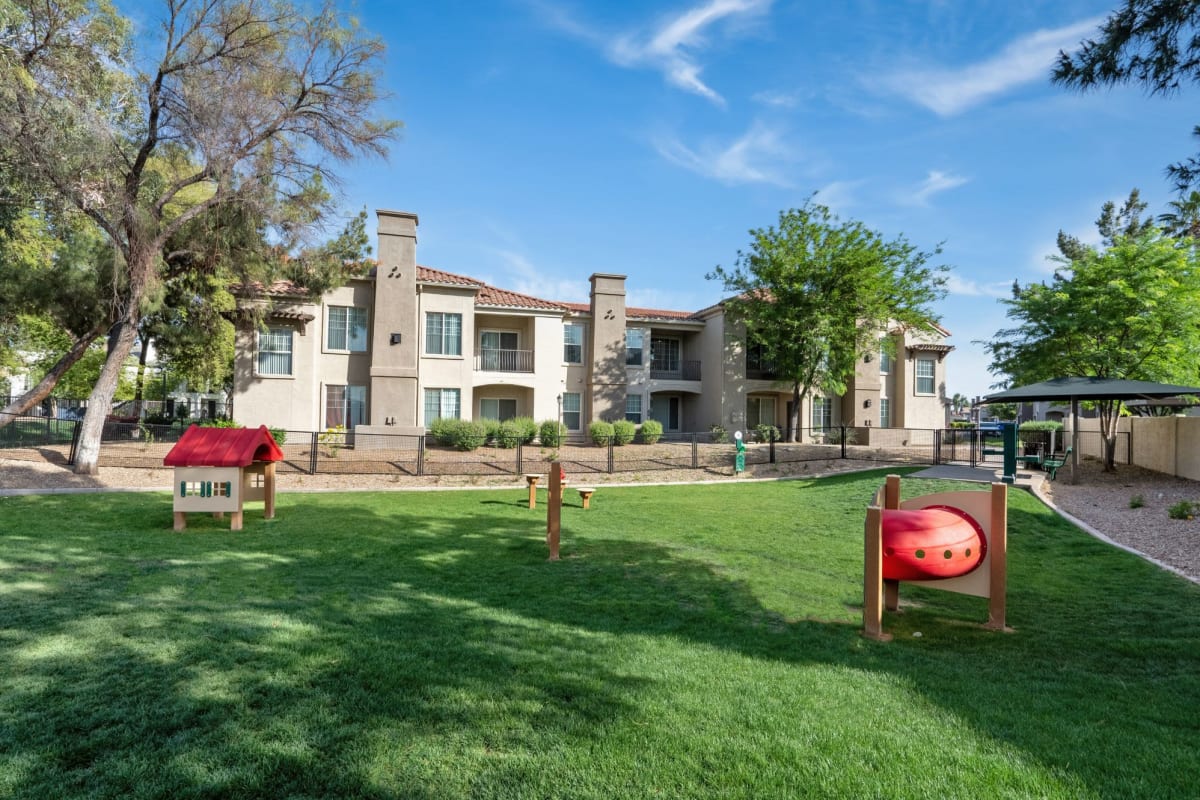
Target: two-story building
394,350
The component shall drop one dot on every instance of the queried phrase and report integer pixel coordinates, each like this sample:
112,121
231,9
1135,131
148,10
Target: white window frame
758,401
822,414
353,405
576,399
570,330
442,395
639,360
633,408
931,377
442,339
499,411
290,352
885,361
346,326
885,412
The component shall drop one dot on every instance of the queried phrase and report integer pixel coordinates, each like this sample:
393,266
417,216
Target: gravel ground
1102,500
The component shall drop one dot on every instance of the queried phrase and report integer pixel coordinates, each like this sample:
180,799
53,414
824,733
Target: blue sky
545,140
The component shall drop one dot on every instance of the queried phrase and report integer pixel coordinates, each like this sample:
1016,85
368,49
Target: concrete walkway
1025,478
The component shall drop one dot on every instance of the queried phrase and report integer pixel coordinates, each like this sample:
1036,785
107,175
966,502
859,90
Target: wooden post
554,509
873,576
180,520
891,500
235,520
532,481
269,491
998,556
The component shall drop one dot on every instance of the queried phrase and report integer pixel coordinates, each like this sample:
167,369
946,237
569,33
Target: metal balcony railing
679,371
498,360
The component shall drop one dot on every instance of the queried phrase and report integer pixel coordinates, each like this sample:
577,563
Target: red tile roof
487,295
430,275
223,447
280,288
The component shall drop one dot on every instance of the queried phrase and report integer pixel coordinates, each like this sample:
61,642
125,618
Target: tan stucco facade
498,352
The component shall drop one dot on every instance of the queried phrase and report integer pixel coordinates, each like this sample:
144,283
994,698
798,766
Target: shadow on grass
431,652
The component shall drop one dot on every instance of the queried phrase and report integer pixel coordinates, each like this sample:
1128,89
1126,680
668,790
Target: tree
816,292
1131,311
1155,43
236,104
1111,224
1184,217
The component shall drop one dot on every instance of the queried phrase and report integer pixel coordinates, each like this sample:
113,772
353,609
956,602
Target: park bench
1051,465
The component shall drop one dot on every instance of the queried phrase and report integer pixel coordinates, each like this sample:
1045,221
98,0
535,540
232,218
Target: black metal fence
140,445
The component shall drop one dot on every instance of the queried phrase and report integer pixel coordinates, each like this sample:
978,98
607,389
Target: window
275,351
573,343
443,334
760,411
664,355
758,361
498,351
885,361
345,406
441,404
822,413
925,367
885,412
572,411
346,329
633,408
497,408
634,339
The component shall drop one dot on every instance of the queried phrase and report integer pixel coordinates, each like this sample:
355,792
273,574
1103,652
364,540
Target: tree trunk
121,339
46,385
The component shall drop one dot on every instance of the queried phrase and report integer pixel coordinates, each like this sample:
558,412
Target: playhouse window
346,329
275,351
346,406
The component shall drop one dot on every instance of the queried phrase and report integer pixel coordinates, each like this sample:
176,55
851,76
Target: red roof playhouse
217,469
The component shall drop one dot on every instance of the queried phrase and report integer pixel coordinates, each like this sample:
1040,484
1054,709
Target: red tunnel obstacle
930,543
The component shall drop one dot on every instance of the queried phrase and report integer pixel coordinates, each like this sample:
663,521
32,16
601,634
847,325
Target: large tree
1129,311
815,293
1154,43
233,103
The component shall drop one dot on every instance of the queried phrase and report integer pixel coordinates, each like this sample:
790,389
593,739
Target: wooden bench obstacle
585,494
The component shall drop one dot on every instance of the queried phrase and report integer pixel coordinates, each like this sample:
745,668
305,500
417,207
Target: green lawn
695,641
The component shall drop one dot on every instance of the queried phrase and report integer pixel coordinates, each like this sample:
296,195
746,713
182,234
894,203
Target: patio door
665,409
497,350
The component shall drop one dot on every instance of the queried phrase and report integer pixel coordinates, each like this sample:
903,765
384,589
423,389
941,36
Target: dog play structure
219,469
955,541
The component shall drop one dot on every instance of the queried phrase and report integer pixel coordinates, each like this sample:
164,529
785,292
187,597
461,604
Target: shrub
651,431
491,428
334,438
601,432
468,435
1038,430
1137,501
443,430
1184,509
551,433
962,423
766,433
158,419
508,435
528,428
279,435
623,432
718,433
834,436
219,422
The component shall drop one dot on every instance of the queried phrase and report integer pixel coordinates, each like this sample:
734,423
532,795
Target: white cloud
524,277
935,182
778,99
839,195
968,288
752,158
947,92
672,47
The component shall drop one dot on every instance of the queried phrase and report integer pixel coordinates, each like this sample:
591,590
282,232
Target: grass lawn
695,641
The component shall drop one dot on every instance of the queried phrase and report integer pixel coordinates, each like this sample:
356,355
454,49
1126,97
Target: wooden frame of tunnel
988,579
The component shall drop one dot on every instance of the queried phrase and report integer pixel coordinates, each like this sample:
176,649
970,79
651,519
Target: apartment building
394,350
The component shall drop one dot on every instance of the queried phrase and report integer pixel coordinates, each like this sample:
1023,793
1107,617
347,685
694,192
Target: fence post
695,453
420,455
771,439
610,456
74,442
520,458
843,441
312,455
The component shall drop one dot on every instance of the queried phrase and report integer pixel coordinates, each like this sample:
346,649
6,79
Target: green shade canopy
1067,389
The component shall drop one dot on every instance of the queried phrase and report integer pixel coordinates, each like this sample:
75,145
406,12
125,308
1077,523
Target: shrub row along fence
144,446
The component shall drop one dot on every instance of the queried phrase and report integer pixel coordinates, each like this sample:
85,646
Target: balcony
679,371
498,360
